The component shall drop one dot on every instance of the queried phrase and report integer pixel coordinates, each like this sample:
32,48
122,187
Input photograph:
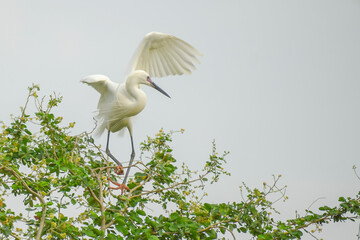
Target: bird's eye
148,79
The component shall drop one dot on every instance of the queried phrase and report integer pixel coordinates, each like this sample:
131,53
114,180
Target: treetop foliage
62,180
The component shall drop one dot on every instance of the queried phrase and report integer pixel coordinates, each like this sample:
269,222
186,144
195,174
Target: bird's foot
119,170
120,186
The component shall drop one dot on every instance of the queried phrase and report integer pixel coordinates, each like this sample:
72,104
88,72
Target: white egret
158,55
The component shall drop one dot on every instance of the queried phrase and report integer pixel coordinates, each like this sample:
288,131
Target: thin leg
121,186
119,169
132,156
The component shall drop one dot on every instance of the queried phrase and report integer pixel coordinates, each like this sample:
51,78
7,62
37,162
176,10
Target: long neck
138,96
134,90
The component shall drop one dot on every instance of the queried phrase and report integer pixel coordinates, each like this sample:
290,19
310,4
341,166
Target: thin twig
41,199
311,234
215,225
308,208
357,175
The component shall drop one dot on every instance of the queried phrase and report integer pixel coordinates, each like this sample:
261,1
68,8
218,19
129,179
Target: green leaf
174,216
93,214
152,237
173,227
122,229
207,206
89,232
30,209
27,131
140,212
135,217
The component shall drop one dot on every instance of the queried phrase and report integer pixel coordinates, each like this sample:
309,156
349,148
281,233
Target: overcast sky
278,84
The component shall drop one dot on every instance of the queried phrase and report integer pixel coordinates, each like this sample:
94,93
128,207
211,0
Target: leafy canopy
62,181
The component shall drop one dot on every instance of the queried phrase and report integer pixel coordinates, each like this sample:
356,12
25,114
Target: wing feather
175,63
180,61
149,61
168,61
164,63
186,62
190,50
99,82
158,64
162,55
162,58
189,59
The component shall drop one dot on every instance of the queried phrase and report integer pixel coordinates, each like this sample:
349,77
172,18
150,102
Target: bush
63,181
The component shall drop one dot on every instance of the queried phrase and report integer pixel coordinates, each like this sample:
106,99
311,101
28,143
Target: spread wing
161,55
114,104
100,83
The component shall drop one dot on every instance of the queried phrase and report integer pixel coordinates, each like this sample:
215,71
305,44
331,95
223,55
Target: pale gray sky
278,84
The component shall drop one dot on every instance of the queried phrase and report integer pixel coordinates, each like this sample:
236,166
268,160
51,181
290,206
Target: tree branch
41,199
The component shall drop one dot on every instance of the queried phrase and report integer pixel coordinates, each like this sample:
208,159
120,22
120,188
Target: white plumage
161,55
158,55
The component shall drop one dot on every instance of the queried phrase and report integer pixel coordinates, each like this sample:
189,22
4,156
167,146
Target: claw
120,186
119,170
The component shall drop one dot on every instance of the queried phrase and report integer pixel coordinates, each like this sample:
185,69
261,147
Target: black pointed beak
159,89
